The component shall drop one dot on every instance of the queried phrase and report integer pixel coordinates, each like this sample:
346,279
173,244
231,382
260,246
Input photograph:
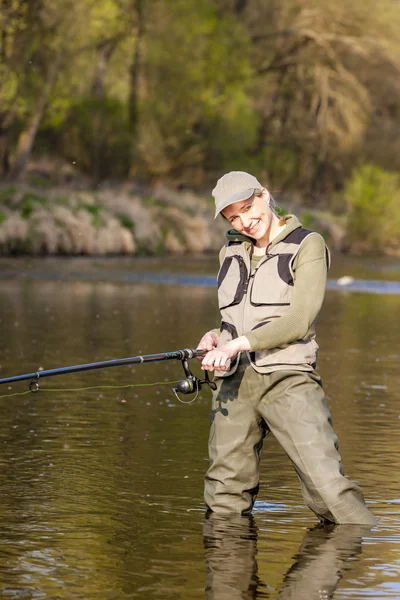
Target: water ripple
343,284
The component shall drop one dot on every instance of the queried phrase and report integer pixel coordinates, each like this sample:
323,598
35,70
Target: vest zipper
246,286
253,274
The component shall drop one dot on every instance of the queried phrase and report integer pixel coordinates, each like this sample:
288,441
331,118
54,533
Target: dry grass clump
146,229
184,200
64,231
189,219
60,231
191,230
173,244
106,222
114,239
178,225
13,233
194,218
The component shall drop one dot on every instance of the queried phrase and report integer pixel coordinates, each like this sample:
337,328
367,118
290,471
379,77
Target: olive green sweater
310,274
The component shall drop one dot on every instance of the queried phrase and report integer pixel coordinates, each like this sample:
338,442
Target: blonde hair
272,204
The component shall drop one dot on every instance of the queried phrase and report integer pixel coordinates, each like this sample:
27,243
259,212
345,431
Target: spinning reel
191,384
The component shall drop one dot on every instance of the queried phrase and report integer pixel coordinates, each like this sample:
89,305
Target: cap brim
243,195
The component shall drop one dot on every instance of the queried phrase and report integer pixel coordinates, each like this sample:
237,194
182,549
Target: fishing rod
190,384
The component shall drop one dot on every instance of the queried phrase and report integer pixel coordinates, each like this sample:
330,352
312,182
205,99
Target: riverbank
125,221
110,221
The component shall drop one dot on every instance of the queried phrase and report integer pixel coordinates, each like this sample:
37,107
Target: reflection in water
230,544
326,552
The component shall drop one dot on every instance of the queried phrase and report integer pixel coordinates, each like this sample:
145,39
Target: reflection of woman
326,552
271,286
230,543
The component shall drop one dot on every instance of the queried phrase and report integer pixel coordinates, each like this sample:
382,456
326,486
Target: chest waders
273,390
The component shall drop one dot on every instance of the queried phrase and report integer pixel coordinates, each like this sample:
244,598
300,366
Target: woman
271,286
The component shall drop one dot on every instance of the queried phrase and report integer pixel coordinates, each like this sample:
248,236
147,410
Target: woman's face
252,217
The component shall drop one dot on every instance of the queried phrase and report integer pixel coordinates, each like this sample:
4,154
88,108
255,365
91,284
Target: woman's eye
248,207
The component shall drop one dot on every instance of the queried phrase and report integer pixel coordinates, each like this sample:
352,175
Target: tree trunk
5,122
105,50
4,153
135,69
27,136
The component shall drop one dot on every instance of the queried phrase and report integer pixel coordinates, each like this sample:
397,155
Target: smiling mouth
253,229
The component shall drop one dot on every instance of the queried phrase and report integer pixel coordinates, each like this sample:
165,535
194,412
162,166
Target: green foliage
7,194
96,137
293,90
281,164
39,181
32,197
201,115
3,217
29,202
372,196
126,221
27,209
281,212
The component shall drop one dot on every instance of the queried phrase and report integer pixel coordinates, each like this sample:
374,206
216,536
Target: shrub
96,136
7,195
373,210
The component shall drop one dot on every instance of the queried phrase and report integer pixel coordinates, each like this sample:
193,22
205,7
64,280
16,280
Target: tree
295,90
46,47
309,58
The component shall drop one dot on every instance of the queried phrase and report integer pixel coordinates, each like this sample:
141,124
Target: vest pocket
272,282
232,280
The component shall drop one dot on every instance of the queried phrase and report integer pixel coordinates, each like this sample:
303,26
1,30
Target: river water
101,489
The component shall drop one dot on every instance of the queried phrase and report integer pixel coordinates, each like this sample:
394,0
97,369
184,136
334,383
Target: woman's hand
208,341
218,359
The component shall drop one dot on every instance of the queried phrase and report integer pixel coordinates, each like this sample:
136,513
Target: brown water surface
101,489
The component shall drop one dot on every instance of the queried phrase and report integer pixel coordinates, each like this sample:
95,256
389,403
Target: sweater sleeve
310,273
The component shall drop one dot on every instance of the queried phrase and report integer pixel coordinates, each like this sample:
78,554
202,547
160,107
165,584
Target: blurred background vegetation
141,95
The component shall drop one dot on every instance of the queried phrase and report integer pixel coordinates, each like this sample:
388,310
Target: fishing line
197,390
16,394
93,387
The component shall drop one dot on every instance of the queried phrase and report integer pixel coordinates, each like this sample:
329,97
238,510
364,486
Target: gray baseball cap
233,187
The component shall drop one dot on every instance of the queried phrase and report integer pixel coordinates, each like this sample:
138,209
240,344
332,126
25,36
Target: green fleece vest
248,300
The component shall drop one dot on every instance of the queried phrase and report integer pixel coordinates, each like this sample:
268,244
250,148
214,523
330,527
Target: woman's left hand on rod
217,358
